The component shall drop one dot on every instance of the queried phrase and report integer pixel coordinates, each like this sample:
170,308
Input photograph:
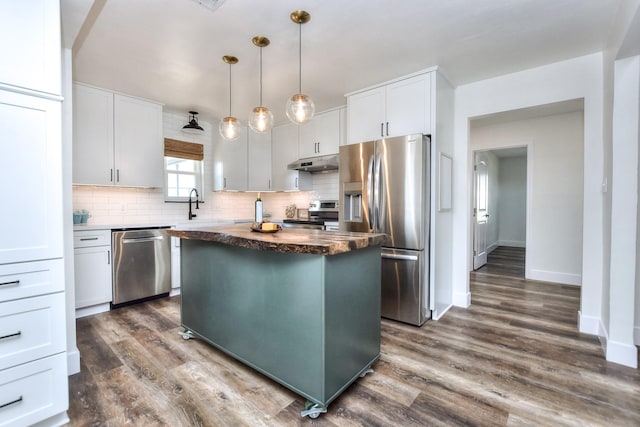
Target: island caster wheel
313,410
186,335
365,372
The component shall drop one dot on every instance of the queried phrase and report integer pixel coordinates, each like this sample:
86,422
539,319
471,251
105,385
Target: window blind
183,149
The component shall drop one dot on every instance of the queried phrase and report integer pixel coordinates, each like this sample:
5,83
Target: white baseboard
590,325
621,353
513,243
636,335
174,292
60,419
438,314
555,277
462,299
94,309
492,247
73,362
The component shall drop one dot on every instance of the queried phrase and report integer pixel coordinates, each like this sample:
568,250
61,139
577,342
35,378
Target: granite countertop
288,240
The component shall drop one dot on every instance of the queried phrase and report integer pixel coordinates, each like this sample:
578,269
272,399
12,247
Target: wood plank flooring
514,358
505,261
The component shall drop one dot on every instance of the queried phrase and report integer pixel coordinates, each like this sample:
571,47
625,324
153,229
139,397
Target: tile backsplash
120,205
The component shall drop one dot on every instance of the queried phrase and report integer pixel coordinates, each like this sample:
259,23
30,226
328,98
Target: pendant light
260,118
300,107
192,126
229,127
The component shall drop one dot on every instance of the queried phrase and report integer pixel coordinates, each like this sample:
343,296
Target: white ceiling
171,50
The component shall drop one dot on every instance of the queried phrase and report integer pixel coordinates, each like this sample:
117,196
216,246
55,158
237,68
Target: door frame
529,237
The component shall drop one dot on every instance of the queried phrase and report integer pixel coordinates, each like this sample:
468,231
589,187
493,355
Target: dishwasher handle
142,239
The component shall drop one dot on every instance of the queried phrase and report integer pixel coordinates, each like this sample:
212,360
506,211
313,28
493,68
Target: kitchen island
301,306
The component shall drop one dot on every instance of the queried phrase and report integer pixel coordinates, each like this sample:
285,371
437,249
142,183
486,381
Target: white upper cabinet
259,161
138,142
321,135
30,175
284,150
117,140
92,136
399,108
230,166
30,44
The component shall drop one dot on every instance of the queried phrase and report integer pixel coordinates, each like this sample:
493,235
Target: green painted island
301,306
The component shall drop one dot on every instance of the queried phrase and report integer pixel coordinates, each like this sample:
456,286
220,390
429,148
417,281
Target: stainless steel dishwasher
141,264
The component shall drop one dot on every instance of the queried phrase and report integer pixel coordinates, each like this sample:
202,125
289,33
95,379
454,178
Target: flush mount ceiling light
300,107
210,4
260,118
193,126
229,127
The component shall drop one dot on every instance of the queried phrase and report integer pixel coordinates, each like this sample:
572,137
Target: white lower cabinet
92,267
32,392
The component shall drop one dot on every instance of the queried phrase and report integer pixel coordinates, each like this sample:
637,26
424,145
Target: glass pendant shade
229,128
261,119
300,108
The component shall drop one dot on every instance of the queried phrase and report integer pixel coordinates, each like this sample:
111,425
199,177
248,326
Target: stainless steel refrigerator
385,188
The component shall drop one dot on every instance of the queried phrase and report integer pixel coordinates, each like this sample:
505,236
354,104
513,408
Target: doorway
500,200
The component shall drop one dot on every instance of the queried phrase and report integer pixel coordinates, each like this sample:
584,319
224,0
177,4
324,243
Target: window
183,170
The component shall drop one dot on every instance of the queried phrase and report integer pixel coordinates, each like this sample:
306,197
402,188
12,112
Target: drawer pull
84,239
14,283
17,334
18,400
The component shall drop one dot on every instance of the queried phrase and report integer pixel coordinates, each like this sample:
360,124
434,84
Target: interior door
480,210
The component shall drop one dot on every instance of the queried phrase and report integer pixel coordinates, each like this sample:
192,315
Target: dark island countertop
287,240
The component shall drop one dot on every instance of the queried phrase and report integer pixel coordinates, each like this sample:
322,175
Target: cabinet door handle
224,184
387,128
111,175
117,175
381,129
13,283
269,184
84,239
108,257
18,400
16,334
296,182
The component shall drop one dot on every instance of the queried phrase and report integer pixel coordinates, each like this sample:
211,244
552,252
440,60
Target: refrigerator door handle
376,191
400,257
370,194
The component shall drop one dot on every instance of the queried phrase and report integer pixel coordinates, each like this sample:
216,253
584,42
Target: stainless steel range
323,215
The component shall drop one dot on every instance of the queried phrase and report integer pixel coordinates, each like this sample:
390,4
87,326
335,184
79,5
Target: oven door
310,225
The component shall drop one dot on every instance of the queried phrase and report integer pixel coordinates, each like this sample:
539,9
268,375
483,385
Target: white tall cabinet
33,361
117,139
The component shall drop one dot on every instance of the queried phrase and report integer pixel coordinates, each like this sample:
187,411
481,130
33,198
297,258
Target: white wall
572,79
555,145
512,203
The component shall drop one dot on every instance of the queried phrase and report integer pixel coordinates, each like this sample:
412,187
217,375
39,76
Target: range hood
316,164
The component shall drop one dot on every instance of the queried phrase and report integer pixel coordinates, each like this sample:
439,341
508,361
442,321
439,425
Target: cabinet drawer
33,391
29,279
31,328
85,239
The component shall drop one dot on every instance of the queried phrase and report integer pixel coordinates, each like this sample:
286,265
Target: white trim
636,335
60,419
73,362
512,243
555,277
461,299
397,79
174,292
590,325
437,316
94,309
492,247
621,353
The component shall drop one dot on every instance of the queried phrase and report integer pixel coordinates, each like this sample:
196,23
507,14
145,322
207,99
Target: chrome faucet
192,215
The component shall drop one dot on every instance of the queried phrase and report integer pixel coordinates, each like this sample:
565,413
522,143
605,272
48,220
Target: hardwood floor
505,261
514,357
